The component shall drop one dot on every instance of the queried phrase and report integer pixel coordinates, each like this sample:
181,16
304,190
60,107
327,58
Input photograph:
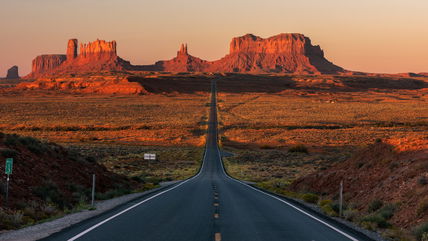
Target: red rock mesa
283,53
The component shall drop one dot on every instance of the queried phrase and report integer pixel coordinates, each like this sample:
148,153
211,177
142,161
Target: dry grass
147,120
269,131
173,163
330,119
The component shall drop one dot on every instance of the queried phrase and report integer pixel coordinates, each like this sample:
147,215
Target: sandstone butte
283,53
12,73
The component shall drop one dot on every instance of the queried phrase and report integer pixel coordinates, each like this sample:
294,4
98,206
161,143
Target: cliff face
283,53
94,56
72,49
98,50
46,63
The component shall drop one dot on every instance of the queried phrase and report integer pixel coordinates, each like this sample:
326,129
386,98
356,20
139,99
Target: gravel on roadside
46,229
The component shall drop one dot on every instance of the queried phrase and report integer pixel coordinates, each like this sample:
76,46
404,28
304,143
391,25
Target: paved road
209,206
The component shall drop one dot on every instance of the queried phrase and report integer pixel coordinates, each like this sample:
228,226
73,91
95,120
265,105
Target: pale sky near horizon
384,36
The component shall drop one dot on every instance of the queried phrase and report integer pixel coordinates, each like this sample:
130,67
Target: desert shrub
328,210
350,214
375,205
11,140
387,211
33,145
10,219
298,148
50,192
421,232
26,140
6,152
325,202
423,181
267,147
91,159
118,191
75,156
377,220
310,198
422,207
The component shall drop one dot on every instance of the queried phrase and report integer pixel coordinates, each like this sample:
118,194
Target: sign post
93,190
148,157
341,199
8,172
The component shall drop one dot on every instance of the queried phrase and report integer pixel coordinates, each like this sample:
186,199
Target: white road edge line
291,205
279,199
145,200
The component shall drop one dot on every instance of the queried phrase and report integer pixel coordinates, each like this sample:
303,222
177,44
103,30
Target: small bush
6,152
298,148
350,214
10,219
377,220
50,192
328,210
11,140
387,211
375,205
423,181
267,147
310,198
422,208
421,231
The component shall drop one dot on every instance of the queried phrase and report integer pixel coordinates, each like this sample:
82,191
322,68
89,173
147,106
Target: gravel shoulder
46,229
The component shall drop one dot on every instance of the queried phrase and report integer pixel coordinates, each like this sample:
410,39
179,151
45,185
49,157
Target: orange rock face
72,49
182,63
99,49
46,63
283,53
94,56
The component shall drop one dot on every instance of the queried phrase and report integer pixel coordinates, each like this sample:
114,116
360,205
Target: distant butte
283,53
12,73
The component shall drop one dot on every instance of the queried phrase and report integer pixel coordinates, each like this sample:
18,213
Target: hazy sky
366,35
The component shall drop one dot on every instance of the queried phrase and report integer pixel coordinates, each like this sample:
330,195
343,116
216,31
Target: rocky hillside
48,179
390,173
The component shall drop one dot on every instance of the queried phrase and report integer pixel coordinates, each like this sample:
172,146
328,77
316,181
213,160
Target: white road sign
149,156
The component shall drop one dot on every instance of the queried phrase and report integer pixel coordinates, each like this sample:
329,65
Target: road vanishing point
211,206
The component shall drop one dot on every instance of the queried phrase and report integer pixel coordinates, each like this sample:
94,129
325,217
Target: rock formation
72,49
94,56
182,63
12,73
46,63
97,50
283,53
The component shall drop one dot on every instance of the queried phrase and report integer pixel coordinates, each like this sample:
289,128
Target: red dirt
53,164
391,171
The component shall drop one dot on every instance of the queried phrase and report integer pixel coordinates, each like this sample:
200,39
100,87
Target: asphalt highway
210,206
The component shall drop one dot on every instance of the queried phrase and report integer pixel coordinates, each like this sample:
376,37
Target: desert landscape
290,122
301,136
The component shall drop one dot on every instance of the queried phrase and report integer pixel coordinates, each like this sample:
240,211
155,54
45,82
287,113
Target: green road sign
9,165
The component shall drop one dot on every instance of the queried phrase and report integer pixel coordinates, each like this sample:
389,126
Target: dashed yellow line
217,236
